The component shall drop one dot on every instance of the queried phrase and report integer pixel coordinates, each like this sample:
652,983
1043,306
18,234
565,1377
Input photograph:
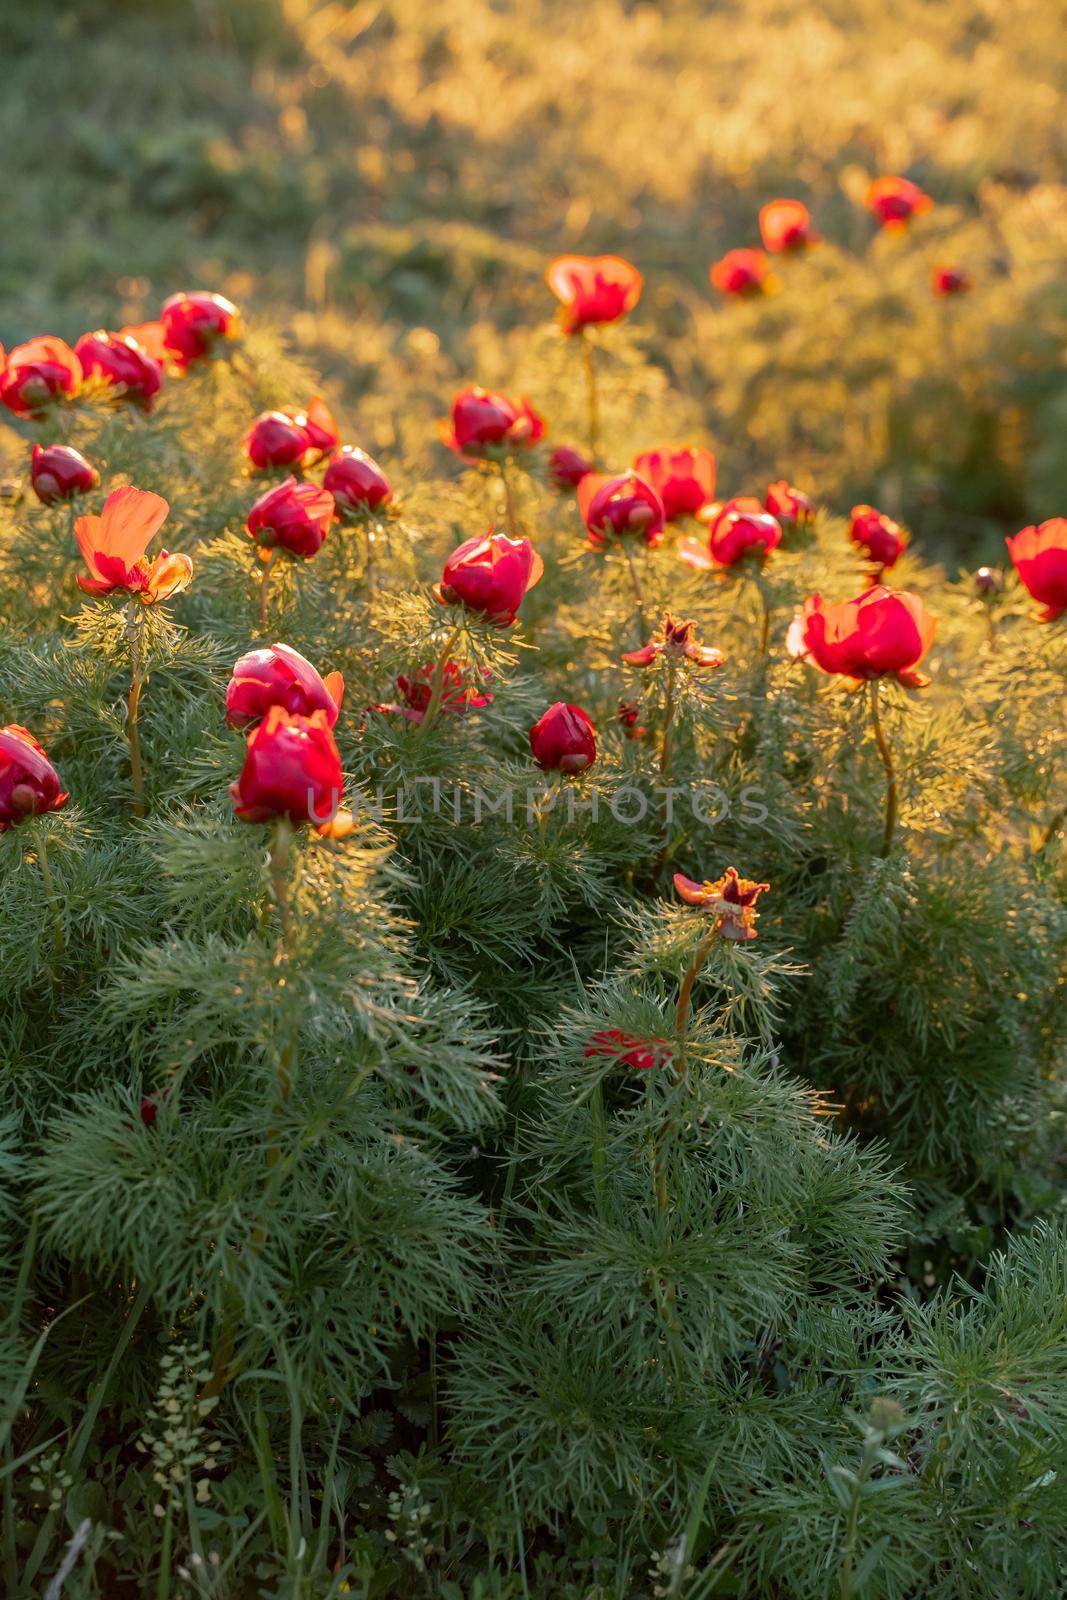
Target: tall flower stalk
891,789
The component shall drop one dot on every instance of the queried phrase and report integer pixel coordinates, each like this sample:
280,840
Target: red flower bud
745,273
882,633
895,201
987,582
882,539
785,226
567,468
292,769
114,544
482,422
292,516
947,281
683,478
593,289
563,740
356,481
58,472
277,439
620,506
118,360
628,1049
29,784
732,900
1040,558
280,676
736,529
36,373
490,576
195,324
319,425
787,504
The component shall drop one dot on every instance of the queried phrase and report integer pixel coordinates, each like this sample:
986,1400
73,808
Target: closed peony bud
197,324
737,530
118,360
895,201
785,227
627,1049
567,468
490,576
947,281
742,273
356,481
277,439
280,676
318,423
58,472
882,633
292,769
29,784
684,479
292,516
563,740
987,582
788,505
730,899
882,539
114,543
482,423
593,289
38,372
620,506
1040,558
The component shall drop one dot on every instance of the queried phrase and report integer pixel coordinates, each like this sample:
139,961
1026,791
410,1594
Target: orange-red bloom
788,505
118,360
1040,558
292,769
877,535
618,506
882,633
114,543
785,227
490,576
593,289
280,676
745,273
627,1049
947,281
58,472
563,740
684,478
29,784
678,644
195,325
730,899
356,481
292,516
483,423
737,529
895,201
34,374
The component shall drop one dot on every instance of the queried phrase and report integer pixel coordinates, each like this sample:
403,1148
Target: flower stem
370,530
685,998
891,796
283,961
45,868
668,720
509,499
594,399
639,598
437,692
263,587
132,730
765,618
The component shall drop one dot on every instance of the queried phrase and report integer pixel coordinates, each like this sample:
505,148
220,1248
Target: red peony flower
292,516
58,472
677,643
745,273
356,481
277,439
895,201
458,695
627,1049
620,506
567,468
36,373
196,324
787,504
947,281
563,740
280,676
882,633
114,544
785,227
118,360
490,576
882,539
593,289
29,784
732,900
684,479
736,529
1040,558
482,422
292,769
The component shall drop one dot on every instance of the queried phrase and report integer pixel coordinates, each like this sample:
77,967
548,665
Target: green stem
45,868
639,598
132,728
668,719
1051,831
437,692
263,588
594,399
685,999
509,499
765,619
370,529
283,960
891,795
163,1576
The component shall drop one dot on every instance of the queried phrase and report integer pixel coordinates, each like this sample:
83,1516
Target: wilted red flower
785,226
119,360
482,422
36,373
628,1049
490,576
628,714
1040,558
114,544
29,784
58,472
563,740
592,289
788,505
882,633
458,691
280,676
882,539
621,505
741,272
292,769
292,516
736,529
895,201
356,481
732,900
195,324
684,478
567,467
677,643
947,281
